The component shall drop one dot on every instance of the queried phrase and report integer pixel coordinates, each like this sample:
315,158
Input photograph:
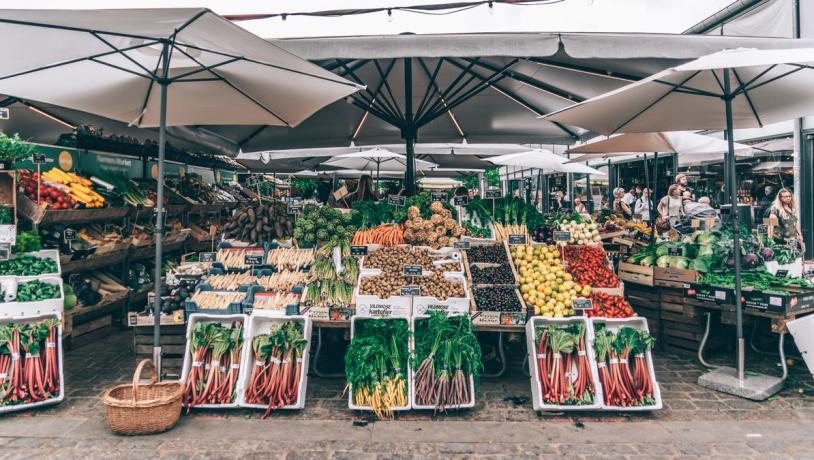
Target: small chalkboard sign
294,208
438,196
762,229
207,257
38,158
69,234
561,236
253,259
517,239
460,200
410,290
358,250
582,304
493,194
395,200
461,245
413,270
781,273
5,251
675,251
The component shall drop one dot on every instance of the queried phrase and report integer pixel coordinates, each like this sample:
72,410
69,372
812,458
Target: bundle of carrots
563,366
26,376
215,350
625,382
384,234
277,370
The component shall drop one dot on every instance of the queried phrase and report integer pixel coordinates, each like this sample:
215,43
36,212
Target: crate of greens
32,264
32,297
562,364
446,363
377,366
274,374
625,364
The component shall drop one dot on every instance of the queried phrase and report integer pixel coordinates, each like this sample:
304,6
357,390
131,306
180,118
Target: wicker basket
143,409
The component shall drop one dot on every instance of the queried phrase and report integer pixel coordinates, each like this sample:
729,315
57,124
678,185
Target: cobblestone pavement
695,422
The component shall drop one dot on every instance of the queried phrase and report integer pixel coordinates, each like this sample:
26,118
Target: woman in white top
643,205
670,207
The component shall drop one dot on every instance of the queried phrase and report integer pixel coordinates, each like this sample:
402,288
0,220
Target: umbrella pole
378,164
646,179
654,193
736,246
159,222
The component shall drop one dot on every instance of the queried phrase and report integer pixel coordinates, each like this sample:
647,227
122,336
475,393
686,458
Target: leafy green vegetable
27,242
13,149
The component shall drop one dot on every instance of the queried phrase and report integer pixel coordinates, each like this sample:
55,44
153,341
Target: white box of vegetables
260,322
470,381
21,309
638,323
376,307
52,254
450,305
56,399
196,318
538,402
409,370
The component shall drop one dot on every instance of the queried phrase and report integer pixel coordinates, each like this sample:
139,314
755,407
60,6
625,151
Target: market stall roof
773,166
776,145
482,87
681,142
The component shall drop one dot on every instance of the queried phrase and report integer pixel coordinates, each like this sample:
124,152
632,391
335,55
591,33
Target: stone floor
502,424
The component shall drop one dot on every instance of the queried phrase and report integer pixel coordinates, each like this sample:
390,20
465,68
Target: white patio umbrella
376,159
159,67
542,159
741,88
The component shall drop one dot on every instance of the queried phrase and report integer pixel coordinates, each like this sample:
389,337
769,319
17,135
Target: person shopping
788,225
579,206
620,207
364,191
670,208
643,205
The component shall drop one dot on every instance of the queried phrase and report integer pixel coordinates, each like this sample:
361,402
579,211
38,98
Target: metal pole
736,247
409,131
159,222
588,194
654,193
646,184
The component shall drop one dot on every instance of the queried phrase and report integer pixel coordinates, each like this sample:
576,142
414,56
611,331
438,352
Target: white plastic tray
60,358
376,307
52,254
415,405
410,396
260,323
196,318
639,323
452,305
536,390
16,309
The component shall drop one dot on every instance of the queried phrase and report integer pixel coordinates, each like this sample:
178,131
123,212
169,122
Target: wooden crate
173,343
89,324
636,274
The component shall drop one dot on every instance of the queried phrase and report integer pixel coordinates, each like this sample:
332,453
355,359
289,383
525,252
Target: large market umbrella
740,88
127,65
376,159
543,159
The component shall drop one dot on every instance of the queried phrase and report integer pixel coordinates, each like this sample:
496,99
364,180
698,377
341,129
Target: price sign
150,299
461,245
38,158
413,270
460,200
582,304
294,208
395,200
562,236
675,252
207,257
410,290
493,194
781,273
6,165
438,196
762,229
253,259
358,250
69,234
5,251
517,239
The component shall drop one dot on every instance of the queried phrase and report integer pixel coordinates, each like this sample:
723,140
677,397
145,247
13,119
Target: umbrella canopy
741,88
374,160
439,183
106,62
680,142
127,65
773,167
542,159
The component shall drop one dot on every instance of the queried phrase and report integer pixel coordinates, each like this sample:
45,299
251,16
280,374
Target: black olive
497,299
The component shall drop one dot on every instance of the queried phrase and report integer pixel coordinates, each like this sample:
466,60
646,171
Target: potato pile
432,284
394,258
259,223
439,231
